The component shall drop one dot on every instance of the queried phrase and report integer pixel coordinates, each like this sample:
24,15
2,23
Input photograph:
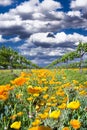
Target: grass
6,76
74,74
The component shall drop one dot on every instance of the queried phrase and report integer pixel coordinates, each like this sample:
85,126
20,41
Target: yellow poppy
66,128
74,105
75,123
62,106
40,128
16,125
55,114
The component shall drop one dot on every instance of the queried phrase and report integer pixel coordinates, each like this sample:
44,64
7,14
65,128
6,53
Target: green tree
5,56
81,50
11,59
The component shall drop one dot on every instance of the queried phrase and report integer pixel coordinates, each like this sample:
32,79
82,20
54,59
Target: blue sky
43,30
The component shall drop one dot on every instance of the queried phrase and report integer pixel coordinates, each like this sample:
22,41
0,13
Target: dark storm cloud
43,57
15,30
74,22
65,45
84,15
50,45
44,45
25,16
49,16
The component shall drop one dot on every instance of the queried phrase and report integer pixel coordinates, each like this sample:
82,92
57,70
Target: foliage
80,51
11,59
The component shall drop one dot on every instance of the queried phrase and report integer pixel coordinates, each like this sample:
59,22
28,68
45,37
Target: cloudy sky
43,30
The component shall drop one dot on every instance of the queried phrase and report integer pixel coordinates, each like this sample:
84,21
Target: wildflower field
44,99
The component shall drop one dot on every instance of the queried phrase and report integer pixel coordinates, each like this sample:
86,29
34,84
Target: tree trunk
81,61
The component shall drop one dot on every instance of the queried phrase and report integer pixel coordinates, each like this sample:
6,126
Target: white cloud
50,5
5,2
9,16
55,52
1,39
14,39
43,52
79,4
34,6
41,62
74,13
38,16
44,56
41,38
8,24
25,7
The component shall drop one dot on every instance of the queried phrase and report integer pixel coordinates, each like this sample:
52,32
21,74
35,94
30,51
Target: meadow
43,99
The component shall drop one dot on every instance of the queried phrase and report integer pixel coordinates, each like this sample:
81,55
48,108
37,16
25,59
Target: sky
43,30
